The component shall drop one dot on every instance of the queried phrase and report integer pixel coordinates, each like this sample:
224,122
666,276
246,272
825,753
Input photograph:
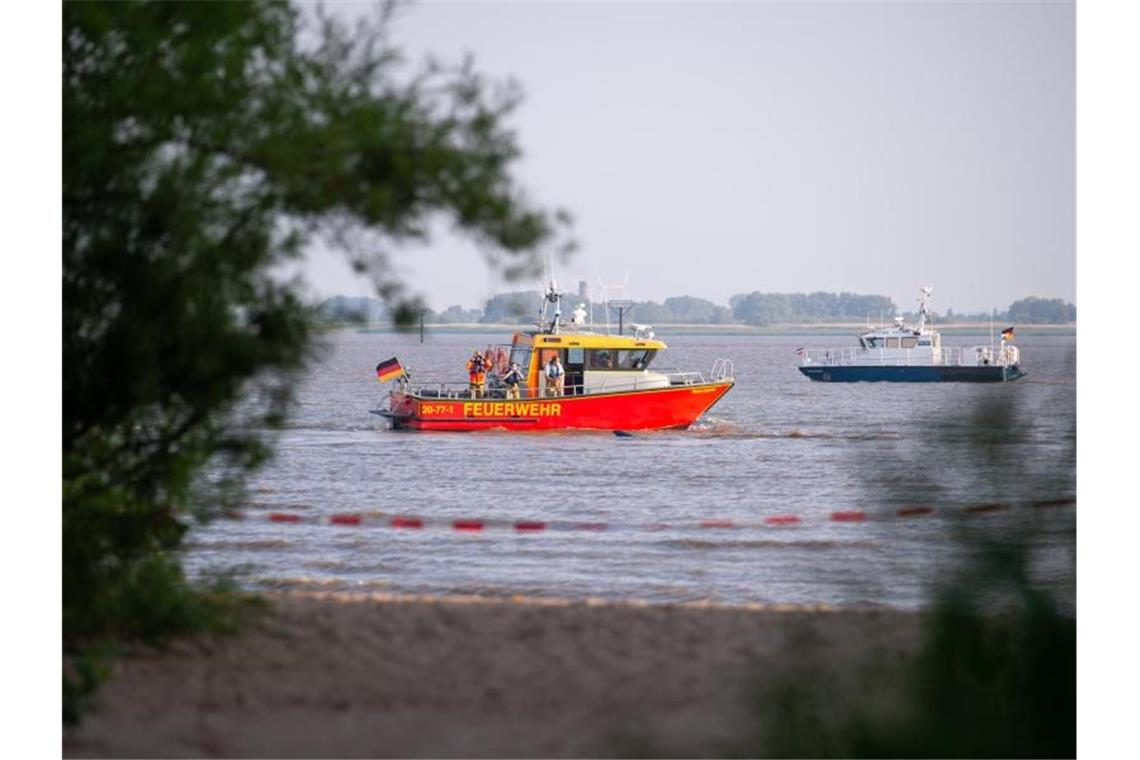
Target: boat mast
923,313
552,296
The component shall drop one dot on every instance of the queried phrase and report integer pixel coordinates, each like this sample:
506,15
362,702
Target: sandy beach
340,675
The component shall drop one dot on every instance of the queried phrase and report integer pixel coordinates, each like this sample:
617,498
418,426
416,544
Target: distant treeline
1027,311
757,309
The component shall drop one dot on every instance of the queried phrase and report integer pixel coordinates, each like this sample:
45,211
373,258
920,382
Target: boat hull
658,409
913,374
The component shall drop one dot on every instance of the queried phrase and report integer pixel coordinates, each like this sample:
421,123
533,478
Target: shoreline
839,328
349,674
528,600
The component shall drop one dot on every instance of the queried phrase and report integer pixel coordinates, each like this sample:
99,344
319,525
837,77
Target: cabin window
909,342
599,358
892,342
521,353
545,355
873,343
574,356
635,360
923,343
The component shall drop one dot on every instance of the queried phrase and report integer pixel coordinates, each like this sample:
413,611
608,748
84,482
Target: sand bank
339,675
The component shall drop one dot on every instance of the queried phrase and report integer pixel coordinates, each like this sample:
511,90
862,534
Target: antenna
621,302
551,296
548,273
923,300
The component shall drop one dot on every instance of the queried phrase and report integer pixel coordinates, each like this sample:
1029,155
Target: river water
667,516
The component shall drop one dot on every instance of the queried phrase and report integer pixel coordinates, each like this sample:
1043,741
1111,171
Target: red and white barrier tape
477,525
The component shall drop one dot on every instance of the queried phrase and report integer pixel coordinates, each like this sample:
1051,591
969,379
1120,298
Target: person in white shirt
555,376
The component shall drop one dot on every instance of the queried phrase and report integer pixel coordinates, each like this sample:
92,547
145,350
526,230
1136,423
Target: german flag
1007,334
389,370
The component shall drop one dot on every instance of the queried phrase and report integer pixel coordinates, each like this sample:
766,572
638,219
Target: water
777,444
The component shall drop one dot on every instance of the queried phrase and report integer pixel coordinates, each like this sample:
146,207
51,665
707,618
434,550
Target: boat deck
497,390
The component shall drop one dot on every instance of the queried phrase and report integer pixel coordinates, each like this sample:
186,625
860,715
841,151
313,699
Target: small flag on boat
1007,334
389,370
800,351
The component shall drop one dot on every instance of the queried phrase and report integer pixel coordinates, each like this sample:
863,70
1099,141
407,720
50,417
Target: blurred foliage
983,683
995,671
520,307
456,315
205,146
342,310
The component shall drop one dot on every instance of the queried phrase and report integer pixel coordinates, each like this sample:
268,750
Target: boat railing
722,369
899,357
430,389
887,357
830,357
1001,356
681,377
496,389
462,390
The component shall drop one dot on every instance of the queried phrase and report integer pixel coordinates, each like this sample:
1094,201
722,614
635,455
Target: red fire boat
605,383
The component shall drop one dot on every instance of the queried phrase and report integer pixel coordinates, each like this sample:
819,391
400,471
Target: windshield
636,359
619,359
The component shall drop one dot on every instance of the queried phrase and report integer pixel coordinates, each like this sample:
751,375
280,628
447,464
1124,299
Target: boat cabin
594,363
901,338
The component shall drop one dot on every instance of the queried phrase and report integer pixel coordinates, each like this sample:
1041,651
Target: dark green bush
204,146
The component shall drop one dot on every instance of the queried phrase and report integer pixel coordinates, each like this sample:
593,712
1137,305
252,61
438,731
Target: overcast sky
719,148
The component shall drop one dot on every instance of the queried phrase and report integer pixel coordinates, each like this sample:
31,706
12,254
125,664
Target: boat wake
717,428
333,426
713,426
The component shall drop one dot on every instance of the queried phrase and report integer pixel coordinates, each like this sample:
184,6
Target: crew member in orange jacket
477,374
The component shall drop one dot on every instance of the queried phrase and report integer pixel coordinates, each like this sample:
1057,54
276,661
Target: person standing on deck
555,376
512,380
476,374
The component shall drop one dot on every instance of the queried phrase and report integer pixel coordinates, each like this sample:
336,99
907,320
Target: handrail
685,378
894,357
496,390
722,369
